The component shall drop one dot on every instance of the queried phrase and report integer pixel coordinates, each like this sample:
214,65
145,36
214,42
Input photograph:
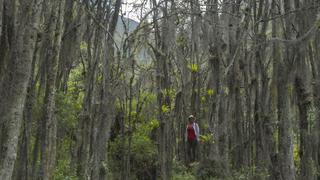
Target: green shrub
64,170
181,172
251,173
211,169
143,153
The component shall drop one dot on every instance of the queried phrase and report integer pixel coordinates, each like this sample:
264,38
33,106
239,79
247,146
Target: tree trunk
162,57
71,40
14,87
316,89
105,110
23,167
285,122
49,122
285,126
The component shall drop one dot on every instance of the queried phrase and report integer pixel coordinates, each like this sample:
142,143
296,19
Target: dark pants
191,149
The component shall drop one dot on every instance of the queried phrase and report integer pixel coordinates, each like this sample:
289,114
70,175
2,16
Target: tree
88,93
20,34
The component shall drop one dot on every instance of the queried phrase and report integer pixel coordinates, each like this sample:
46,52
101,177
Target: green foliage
211,169
68,108
181,172
169,93
63,170
165,108
184,176
143,151
75,85
150,97
193,68
133,113
251,173
207,139
203,98
83,46
205,126
210,92
153,124
69,104
215,170
122,77
296,157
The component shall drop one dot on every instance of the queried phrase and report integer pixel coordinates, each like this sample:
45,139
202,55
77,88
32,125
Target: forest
159,89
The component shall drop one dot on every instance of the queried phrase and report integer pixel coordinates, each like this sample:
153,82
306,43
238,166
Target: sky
132,12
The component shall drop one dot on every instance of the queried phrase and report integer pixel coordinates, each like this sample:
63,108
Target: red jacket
196,131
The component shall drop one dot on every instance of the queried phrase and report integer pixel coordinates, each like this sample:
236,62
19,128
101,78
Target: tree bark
106,110
49,122
15,81
285,122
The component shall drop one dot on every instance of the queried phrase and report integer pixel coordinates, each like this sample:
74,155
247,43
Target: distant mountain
142,56
122,24
132,24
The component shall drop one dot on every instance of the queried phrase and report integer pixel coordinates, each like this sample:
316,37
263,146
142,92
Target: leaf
193,67
83,45
154,123
208,138
165,108
210,92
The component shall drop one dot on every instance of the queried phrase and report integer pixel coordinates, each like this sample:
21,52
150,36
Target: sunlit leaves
211,92
193,68
83,46
207,139
151,97
165,108
169,92
154,124
205,126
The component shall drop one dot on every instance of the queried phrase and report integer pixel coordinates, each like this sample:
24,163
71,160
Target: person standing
192,136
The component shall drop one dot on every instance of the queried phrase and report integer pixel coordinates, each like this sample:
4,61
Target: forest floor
185,172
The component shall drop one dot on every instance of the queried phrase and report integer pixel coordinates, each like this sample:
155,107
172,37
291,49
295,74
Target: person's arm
197,130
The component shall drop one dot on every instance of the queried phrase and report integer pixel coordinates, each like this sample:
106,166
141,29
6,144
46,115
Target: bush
63,170
250,173
211,169
143,152
180,172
